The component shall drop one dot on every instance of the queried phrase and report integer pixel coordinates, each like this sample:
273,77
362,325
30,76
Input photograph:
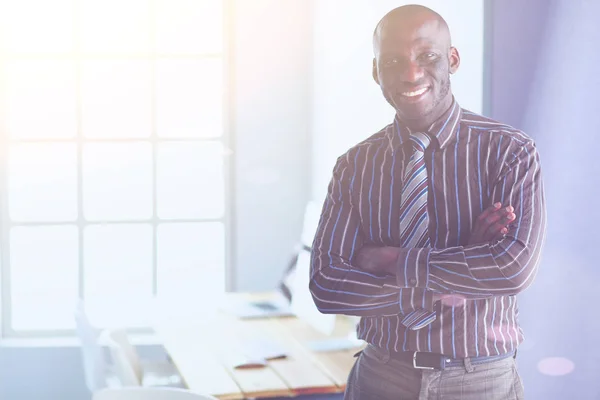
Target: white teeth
415,93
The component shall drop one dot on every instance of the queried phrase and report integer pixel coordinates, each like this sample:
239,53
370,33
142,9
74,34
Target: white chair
98,373
150,394
132,371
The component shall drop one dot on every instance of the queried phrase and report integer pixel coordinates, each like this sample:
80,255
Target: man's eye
390,62
429,56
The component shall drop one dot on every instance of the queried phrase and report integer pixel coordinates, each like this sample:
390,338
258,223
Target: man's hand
492,224
377,260
448,299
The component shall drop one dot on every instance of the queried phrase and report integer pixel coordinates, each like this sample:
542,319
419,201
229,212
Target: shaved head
410,15
413,61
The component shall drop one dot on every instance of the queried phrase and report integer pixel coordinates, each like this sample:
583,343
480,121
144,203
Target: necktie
413,216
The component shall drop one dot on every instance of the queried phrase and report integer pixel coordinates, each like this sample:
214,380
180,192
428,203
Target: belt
426,360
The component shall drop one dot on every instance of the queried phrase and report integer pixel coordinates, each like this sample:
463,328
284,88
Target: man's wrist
412,267
392,267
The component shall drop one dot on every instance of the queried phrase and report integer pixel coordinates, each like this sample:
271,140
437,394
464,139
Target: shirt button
412,281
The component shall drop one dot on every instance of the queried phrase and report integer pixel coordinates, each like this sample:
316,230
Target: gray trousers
376,376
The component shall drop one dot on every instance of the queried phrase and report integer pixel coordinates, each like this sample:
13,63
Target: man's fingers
500,227
502,220
481,225
487,220
498,215
491,209
492,223
495,230
510,217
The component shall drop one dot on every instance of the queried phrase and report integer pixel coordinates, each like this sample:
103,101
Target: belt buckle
415,362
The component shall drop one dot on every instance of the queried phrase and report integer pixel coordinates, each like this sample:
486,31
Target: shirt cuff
412,268
415,299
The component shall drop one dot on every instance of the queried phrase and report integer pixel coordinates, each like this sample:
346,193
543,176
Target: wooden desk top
203,352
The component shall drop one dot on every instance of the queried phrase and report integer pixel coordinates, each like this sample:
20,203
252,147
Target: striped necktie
414,220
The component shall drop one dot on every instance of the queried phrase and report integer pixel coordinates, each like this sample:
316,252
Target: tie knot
420,141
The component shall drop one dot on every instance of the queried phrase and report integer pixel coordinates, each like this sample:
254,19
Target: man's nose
411,72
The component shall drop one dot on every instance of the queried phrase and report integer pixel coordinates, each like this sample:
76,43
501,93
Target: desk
201,348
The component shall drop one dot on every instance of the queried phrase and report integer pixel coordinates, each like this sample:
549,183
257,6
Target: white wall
347,104
271,114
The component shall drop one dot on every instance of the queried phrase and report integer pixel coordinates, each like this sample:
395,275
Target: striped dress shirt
472,163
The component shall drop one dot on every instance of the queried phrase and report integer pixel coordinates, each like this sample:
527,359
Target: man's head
413,62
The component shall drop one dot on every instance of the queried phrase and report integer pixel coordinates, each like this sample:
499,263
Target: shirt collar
440,130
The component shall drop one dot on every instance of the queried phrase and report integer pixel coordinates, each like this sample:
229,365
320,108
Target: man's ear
454,60
375,74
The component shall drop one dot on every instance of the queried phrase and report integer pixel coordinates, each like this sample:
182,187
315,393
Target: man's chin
412,112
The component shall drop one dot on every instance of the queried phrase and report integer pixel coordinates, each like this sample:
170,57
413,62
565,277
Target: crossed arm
349,278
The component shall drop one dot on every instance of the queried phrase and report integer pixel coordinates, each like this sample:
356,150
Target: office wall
271,93
347,104
544,80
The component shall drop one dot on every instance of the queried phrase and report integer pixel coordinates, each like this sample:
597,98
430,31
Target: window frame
226,138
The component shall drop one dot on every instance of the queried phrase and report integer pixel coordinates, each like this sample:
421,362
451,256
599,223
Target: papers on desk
275,306
256,352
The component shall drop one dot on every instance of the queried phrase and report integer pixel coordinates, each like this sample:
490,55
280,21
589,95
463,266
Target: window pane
116,99
118,273
190,180
117,181
44,276
189,26
39,26
191,259
115,26
42,182
189,98
41,100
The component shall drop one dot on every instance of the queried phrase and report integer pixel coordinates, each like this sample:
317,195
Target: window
113,158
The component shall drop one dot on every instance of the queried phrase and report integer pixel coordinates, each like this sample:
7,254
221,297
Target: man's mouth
414,94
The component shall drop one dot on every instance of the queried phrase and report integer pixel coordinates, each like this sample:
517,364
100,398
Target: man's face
412,66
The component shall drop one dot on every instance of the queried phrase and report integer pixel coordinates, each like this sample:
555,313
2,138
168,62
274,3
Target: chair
98,373
149,394
132,371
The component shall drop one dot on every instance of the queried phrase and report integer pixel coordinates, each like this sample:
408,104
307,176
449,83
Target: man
430,229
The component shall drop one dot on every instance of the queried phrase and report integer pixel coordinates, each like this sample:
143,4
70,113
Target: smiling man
416,41
430,229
